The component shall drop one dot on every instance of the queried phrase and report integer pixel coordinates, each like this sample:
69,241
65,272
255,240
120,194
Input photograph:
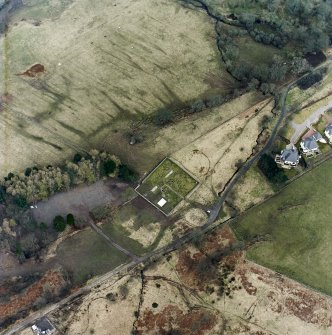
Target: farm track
111,241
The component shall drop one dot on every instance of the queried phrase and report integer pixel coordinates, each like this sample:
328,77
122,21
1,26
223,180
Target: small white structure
169,173
161,202
328,132
154,189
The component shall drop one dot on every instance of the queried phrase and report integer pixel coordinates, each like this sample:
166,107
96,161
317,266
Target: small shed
161,202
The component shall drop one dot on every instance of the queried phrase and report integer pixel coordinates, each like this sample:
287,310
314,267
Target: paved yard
80,200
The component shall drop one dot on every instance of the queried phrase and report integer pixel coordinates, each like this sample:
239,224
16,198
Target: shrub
77,158
2,195
197,106
20,201
70,220
9,176
59,223
18,249
127,174
162,117
43,226
108,167
27,172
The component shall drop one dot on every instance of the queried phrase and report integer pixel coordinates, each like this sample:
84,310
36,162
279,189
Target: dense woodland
293,31
306,23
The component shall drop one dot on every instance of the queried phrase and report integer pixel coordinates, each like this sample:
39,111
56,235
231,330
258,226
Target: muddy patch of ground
80,200
34,70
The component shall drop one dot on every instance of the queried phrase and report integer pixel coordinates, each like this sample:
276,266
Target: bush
70,220
43,226
18,249
27,172
197,106
108,167
77,158
127,174
59,223
162,117
20,201
2,195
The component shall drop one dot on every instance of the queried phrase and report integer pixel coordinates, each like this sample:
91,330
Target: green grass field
297,227
86,254
167,181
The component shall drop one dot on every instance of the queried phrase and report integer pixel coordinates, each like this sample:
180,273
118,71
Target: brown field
178,294
73,73
252,189
213,157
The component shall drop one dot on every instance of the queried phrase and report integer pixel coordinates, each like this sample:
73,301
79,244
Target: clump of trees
37,184
126,173
271,170
60,223
311,79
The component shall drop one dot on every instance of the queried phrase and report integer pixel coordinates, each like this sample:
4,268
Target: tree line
39,183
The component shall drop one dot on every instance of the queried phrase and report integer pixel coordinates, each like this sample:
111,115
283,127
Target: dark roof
329,129
317,136
44,325
290,155
310,143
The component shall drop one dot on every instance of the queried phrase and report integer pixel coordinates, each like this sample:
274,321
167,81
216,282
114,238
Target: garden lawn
296,226
168,181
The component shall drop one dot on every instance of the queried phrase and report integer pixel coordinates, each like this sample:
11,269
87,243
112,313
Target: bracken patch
197,322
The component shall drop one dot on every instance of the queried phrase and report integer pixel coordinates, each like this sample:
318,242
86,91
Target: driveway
80,200
300,128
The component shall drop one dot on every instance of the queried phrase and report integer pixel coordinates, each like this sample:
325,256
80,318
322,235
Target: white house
309,143
289,157
328,132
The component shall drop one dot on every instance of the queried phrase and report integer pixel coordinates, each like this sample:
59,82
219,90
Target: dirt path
299,128
111,241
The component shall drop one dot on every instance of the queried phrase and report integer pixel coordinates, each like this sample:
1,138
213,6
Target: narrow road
248,164
299,128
